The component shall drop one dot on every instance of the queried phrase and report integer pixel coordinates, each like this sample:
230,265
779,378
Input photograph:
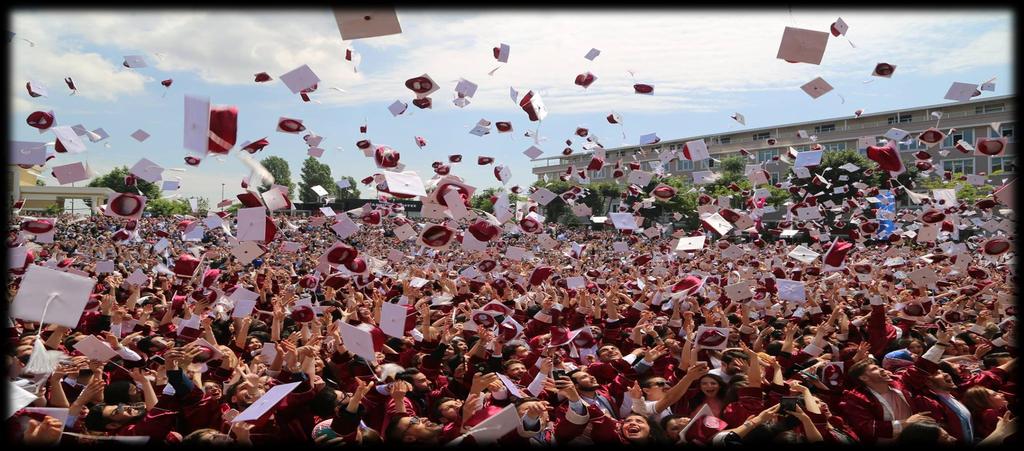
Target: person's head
420,382
979,399
326,401
608,353
924,433
673,425
243,393
945,379
584,381
654,388
712,386
636,429
514,369
121,391
212,389
734,362
207,437
154,344
448,410
868,373
994,359
109,417
413,429
915,346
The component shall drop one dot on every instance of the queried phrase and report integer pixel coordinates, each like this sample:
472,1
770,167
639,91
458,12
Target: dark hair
773,348
507,363
146,345
407,375
201,437
117,392
324,402
95,421
920,433
732,354
393,433
720,394
260,335
858,369
655,436
992,359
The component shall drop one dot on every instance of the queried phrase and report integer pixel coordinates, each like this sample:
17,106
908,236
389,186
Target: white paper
268,401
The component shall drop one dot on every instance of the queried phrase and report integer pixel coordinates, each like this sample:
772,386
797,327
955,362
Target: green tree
53,210
115,181
352,192
556,209
732,172
316,173
168,207
278,167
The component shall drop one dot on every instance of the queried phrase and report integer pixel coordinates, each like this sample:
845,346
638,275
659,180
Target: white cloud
692,57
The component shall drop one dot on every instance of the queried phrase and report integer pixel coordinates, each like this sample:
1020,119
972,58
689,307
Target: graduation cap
125,205
40,119
704,428
340,254
887,157
995,246
585,80
643,88
533,106
991,146
437,236
386,157
712,337
256,146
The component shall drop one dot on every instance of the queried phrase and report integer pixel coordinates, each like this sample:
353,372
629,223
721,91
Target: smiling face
635,427
450,410
609,353
709,386
675,426
515,371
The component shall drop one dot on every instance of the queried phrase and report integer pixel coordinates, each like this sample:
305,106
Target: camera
788,403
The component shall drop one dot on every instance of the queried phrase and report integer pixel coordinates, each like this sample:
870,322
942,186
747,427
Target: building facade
972,120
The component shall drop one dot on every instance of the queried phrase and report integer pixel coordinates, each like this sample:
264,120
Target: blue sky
705,65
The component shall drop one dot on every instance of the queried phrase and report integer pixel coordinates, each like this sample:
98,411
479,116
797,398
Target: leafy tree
53,210
316,173
115,181
556,209
168,207
352,192
277,167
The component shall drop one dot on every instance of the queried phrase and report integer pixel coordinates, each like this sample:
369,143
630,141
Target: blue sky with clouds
705,65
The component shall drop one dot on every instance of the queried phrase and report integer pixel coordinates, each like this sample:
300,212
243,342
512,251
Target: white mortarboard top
252,224
639,178
923,277
17,398
358,340
243,308
703,177
802,46
98,135
961,92
67,136
170,185
213,221
366,22
697,149
398,108
137,277
404,183
803,254
140,135
533,152
392,319
740,290
105,266
266,402
543,196
471,244
817,87
343,183
546,241
147,170
791,290
593,53
319,190
300,78
808,158
16,256
623,221
134,61
928,233
1004,194
405,232
515,253
345,226
197,124
28,153
649,138
503,51
493,428
455,204
808,213
717,223
161,245
315,152
464,87
739,118
95,349
247,251
71,173
483,127
58,295
290,246
850,167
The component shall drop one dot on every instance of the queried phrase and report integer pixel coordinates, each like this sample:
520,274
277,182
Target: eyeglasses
658,384
412,421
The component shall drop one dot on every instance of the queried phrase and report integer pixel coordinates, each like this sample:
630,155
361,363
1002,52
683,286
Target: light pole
222,194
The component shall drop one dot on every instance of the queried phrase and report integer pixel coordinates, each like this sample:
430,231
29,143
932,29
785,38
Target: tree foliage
965,192
352,192
277,167
315,173
115,181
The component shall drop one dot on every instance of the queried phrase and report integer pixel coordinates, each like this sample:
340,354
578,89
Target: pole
222,195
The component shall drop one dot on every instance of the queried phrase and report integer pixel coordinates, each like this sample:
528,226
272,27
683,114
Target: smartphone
788,403
558,374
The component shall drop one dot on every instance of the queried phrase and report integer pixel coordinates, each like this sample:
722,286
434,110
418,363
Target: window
710,163
1005,131
903,118
961,166
914,144
652,165
774,177
683,164
952,139
1003,164
725,140
826,128
801,148
990,108
831,147
603,173
766,155
762,136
